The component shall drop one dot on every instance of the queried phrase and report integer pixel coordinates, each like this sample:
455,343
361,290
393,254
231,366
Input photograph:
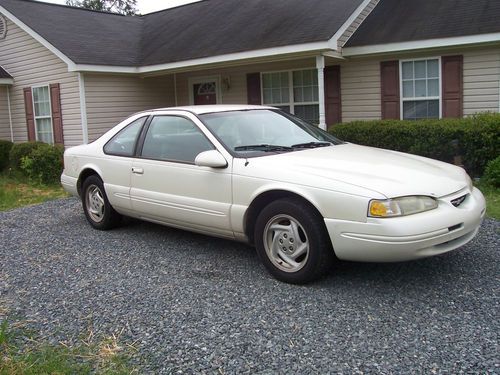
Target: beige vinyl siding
32,64
4,114
360,90
481,81
356,23
237,93
112,98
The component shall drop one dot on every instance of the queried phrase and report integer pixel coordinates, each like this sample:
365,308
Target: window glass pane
308,94
408,89
267,80
268,97
409,111
123,143
174,138
285,95
307,77
420,69
276,96
420,88
276,81
408,70
297,78
433,87
297,95
433,109
41,101
44,130
309,113
432,68
421,109
284,79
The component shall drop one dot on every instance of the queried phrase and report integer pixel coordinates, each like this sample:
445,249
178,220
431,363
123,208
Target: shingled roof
205,28
395,21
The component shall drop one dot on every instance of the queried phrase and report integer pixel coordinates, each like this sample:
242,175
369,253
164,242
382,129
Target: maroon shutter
30,119
389,75
332,95
452,70
253,88
55,101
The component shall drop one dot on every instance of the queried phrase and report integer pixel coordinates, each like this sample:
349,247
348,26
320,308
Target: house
67,74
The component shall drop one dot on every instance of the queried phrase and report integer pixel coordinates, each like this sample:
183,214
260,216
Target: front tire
98,211
292,241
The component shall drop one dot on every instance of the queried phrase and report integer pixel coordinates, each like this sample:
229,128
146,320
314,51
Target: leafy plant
492,173
20,150
44,164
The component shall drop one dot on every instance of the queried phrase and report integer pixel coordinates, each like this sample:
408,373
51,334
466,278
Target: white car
257,174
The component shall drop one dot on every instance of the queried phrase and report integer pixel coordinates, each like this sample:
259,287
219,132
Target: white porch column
320,65
10,114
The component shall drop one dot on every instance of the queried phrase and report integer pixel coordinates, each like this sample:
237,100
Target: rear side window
123,143
174,138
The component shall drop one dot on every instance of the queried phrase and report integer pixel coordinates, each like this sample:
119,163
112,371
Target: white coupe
257,174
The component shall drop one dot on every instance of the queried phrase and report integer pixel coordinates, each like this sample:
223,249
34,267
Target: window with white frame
294,92
420,89
42,114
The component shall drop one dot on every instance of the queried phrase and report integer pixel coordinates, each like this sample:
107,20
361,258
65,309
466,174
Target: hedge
44,164
5,147
476,139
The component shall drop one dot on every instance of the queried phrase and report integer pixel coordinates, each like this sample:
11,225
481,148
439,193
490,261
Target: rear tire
98,211
292,241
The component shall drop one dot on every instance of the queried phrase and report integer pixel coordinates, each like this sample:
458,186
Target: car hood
390,173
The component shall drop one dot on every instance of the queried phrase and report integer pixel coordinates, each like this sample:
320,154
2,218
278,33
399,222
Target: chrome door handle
136,170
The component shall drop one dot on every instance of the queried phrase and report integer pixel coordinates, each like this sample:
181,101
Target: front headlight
401,206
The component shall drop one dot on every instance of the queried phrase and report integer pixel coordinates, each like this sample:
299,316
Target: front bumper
409,237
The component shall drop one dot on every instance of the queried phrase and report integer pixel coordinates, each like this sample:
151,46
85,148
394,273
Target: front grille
458,201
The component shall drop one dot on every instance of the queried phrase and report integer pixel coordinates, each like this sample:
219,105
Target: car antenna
246,162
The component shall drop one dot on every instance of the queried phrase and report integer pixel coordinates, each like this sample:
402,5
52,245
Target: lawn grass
492,196
16,191
21,353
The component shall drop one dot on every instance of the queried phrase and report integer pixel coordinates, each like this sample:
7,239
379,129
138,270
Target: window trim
291,95
35,117
439,98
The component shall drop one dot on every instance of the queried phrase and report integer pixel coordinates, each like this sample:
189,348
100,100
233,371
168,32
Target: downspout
83,108
10,114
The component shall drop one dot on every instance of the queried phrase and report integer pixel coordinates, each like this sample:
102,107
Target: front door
167,187
205,93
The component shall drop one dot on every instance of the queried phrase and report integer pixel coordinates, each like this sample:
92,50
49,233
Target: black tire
98,211
310,231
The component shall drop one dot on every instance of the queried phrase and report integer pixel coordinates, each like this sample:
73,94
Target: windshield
255,132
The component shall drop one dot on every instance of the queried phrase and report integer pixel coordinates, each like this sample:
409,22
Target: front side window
420,89
173,138
123,143
295,92
42,114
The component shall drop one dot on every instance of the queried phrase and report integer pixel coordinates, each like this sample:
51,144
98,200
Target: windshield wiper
263,147
311,145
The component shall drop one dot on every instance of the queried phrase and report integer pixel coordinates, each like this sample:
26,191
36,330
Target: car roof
202,109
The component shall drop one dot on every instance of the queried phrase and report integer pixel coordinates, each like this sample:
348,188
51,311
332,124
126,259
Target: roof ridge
76,8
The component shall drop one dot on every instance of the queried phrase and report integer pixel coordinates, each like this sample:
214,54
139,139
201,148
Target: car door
166,185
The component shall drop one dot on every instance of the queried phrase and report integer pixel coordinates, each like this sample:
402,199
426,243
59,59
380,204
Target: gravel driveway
195,304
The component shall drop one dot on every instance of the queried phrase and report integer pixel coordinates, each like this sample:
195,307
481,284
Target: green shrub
475,138
492,173
5,147
20,150
44,164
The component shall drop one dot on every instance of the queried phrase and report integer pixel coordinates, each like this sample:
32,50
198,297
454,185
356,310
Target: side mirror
212,159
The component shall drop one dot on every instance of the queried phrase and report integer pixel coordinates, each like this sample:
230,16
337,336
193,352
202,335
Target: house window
420,88
42,114
294,92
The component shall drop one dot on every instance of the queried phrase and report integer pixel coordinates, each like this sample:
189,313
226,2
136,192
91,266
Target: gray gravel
194,304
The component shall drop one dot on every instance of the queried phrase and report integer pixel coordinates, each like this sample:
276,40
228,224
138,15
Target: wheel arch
86,172
266,197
